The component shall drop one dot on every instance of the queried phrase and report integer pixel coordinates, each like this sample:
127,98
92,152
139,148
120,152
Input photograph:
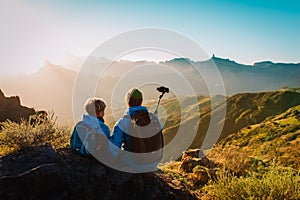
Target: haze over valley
51,87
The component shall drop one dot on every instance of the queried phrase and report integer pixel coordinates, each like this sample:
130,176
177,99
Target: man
123,138
120,136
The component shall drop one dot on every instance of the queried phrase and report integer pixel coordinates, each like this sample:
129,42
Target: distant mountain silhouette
263,64
262,76
11,109
51,87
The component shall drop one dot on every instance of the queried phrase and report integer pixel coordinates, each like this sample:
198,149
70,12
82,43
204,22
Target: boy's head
95,107
134,97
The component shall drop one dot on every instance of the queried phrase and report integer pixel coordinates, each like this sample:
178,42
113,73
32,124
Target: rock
42,173
12,109
176,184
191,153
193,157
1,94
201,174
86,177
16,164
34,183
188,164
35,173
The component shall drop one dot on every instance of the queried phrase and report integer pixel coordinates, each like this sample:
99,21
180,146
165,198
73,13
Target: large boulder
31,174
35,183
188,164
193,157
192,153
201,174
43,173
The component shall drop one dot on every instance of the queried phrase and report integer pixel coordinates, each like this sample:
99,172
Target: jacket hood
91,121
134,109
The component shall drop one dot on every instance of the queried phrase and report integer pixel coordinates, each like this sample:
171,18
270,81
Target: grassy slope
276,139
261,161
242,110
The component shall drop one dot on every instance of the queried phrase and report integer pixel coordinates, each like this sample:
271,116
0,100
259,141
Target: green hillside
260,161
242,110
276,139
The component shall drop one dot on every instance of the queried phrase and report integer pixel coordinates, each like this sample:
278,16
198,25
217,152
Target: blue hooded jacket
97,124
93,123
119,134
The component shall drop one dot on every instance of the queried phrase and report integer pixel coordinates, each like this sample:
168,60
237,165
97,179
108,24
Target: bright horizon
243,31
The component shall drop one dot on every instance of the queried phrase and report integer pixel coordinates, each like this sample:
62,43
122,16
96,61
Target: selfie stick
163,90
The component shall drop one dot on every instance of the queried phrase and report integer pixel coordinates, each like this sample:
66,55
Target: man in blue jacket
134,100
121,136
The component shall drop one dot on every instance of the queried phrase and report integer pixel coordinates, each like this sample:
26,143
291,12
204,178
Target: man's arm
117,137
116,140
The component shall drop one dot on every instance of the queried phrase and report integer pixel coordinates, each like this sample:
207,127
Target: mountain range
51,87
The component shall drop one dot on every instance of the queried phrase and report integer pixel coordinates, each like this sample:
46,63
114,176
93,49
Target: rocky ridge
11,109
42,173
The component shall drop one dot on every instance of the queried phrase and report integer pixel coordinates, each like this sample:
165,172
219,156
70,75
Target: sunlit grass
276,183
172,169
37,131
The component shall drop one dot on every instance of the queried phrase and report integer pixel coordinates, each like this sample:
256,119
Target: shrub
276,183
231,157
37,131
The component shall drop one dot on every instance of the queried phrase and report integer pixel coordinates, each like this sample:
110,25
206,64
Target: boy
87,133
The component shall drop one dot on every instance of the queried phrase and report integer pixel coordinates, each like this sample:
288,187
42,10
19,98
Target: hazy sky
243,30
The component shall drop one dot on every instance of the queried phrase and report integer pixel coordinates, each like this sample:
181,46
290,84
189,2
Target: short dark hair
134,97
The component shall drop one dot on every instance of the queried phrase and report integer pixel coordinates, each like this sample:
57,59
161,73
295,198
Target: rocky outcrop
192,158
1,94
42,173
197,167
11,109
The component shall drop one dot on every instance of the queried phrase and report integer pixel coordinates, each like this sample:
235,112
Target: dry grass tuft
37,131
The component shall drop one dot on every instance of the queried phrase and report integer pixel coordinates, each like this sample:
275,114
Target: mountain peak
178,60
1,94
11,109
215,58
263,64
48,66
52,68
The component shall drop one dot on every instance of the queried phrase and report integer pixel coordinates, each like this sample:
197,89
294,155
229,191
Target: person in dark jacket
134,100
120,135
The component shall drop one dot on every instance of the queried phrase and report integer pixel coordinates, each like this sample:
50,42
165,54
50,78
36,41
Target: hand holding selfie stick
163,90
